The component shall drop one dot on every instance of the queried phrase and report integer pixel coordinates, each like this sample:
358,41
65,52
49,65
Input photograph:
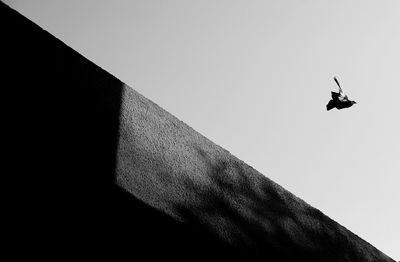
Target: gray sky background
255,76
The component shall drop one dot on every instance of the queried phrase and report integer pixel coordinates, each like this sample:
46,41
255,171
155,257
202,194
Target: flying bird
339,100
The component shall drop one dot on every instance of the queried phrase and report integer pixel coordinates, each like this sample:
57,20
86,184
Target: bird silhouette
339,100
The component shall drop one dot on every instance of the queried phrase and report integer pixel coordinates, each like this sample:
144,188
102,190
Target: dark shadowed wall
99,170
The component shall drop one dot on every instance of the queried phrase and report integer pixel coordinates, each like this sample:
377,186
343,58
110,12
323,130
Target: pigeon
339,100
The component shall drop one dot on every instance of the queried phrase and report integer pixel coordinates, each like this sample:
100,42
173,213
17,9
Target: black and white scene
199,130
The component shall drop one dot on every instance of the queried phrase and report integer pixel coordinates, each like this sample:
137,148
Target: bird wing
331,104
337,82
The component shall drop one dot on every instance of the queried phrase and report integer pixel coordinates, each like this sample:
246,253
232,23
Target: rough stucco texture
168,165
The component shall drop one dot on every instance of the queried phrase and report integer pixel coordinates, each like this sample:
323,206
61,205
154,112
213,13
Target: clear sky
255,76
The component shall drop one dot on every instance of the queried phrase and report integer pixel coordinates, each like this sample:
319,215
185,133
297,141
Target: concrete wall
99,170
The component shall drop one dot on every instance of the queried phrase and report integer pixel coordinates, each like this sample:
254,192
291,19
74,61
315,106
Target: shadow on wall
262,221
62,124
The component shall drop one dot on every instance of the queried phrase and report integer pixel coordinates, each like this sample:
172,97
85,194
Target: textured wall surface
103,171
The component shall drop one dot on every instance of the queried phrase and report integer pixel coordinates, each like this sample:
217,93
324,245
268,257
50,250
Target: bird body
339,100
